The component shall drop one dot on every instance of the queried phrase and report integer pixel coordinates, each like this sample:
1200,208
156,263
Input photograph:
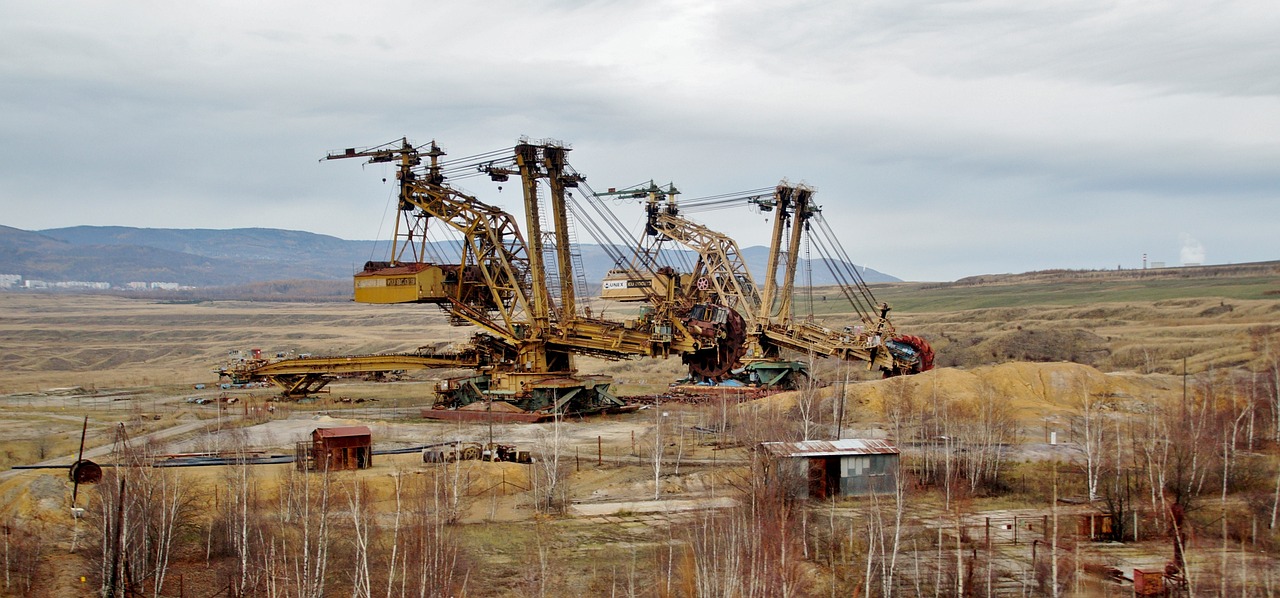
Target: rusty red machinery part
85,471
923,348
716,363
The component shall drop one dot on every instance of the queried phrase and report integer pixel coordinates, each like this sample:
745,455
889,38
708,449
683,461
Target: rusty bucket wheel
923,349
85,471
716,363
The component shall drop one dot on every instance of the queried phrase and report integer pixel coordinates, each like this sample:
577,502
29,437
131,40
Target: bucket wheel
716,362
923,351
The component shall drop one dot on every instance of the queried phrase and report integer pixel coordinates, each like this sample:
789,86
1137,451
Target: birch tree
142,511
1090,431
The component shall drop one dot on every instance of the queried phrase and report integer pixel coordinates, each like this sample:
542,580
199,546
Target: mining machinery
718,290
762,322
302,376
496,279
517,287
871,339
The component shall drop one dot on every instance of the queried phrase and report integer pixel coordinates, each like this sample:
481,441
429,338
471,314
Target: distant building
10,280
152,286
851,467
80,284
61,284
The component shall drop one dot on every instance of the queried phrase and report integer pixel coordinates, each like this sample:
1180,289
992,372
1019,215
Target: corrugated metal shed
344,447
821,468
830,448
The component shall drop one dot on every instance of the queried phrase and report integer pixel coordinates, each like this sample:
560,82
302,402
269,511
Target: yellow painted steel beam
356,364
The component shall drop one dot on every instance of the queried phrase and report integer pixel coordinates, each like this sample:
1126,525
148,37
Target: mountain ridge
221,257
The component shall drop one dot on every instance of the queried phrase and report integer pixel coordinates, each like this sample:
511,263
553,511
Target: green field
932,297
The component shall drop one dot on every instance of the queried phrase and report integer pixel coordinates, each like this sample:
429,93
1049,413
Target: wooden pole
75,489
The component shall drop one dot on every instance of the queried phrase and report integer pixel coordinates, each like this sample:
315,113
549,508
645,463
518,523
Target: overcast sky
945,139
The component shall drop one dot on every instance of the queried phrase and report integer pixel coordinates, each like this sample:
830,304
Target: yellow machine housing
630,285
404,283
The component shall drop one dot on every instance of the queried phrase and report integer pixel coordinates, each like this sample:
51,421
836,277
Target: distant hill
758,259
40,257
265,253
208,257
1271,268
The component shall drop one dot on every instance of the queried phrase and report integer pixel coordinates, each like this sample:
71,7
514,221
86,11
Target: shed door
819,484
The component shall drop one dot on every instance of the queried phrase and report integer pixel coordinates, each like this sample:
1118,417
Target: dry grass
96,342
152,354
109,342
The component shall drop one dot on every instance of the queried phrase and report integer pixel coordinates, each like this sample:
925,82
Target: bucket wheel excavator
762,320
872,339
516,286
718,291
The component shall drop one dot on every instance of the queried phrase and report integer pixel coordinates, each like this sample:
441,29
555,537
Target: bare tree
361,522
1053,551
1265,342
1275,502
550,476
24,550
395,531
899,406
807,405
658,447
285,553
883,548
141,511
1090,430
983,430
433,558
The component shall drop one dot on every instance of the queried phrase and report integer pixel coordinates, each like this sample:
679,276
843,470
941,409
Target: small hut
850,467
332,449
1094,526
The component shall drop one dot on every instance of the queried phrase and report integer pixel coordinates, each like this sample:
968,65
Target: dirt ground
131,368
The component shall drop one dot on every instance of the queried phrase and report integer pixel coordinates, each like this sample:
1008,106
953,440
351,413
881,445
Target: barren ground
131,365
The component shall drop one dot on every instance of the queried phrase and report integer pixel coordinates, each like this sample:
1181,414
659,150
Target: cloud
948,138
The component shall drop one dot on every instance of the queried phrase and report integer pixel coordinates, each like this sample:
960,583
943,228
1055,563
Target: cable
808,274
844,257
391,196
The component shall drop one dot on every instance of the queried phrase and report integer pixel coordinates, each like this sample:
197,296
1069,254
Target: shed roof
830,448
342,432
